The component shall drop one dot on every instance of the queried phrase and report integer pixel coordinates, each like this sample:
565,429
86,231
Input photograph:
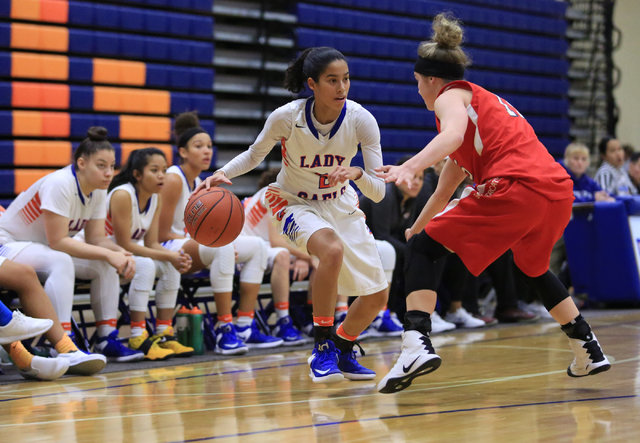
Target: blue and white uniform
147,269
23,239
302,201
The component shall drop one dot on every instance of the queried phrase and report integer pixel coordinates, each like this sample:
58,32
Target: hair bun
447,31
97,133
184,121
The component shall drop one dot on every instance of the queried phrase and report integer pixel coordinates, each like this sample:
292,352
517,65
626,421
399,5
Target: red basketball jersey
499,142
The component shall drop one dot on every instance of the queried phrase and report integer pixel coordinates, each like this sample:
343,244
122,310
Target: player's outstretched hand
401,174
213,180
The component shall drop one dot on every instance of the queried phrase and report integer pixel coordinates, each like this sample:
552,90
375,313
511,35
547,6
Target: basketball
214,217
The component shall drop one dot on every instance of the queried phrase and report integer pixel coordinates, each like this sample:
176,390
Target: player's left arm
367,181
450,178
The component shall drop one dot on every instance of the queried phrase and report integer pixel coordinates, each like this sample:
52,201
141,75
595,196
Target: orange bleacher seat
131,100
40,66
126,148
119,72
27,123
41,124
39,37
25,9
26,177
39,95
41,153
56,124
144,128
56,11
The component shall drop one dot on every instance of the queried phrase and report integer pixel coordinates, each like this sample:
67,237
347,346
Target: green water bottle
182,326
196,331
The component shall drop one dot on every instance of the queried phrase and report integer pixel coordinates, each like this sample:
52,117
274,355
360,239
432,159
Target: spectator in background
628,152
585,190
576,162
611,176
634,170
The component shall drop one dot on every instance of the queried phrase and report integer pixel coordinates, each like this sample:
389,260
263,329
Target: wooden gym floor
506,383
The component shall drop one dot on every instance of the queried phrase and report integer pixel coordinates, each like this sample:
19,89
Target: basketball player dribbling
316,208
522,201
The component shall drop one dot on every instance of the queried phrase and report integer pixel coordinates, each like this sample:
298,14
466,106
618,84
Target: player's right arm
277,127
450,179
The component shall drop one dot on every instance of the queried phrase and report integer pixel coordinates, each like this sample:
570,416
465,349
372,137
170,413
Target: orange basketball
214,217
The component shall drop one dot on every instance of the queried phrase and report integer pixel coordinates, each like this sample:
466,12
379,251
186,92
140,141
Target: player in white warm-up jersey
132,223
195,150
315,206
37,230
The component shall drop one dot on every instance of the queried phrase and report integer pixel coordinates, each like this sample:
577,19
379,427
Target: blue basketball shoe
227,341
285,330
350,367
111,347
253,338
323,363
385,326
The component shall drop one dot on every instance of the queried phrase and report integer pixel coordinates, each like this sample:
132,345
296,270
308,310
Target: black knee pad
424,263
547,286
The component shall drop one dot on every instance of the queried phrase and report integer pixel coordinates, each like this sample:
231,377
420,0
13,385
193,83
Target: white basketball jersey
308,156
58,192
178,227
140,218
310,150
256,218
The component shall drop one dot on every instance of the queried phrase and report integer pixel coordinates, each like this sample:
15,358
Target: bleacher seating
517,51
68,65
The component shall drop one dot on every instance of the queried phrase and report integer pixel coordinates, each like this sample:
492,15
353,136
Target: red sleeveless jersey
499,142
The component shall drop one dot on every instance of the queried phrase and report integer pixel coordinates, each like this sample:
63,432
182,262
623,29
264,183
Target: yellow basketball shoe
150,346
167,340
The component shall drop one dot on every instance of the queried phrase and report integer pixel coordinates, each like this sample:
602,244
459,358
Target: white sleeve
99,204
369,137
277,126
56,195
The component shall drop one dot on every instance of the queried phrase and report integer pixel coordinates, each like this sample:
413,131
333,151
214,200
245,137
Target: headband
186,136
437,68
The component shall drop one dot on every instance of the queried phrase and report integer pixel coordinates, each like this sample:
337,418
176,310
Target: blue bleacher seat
6,181
6,123
80,97
80,69
133,20
81,13
5,64
6,153
5,94
156,22
80,123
